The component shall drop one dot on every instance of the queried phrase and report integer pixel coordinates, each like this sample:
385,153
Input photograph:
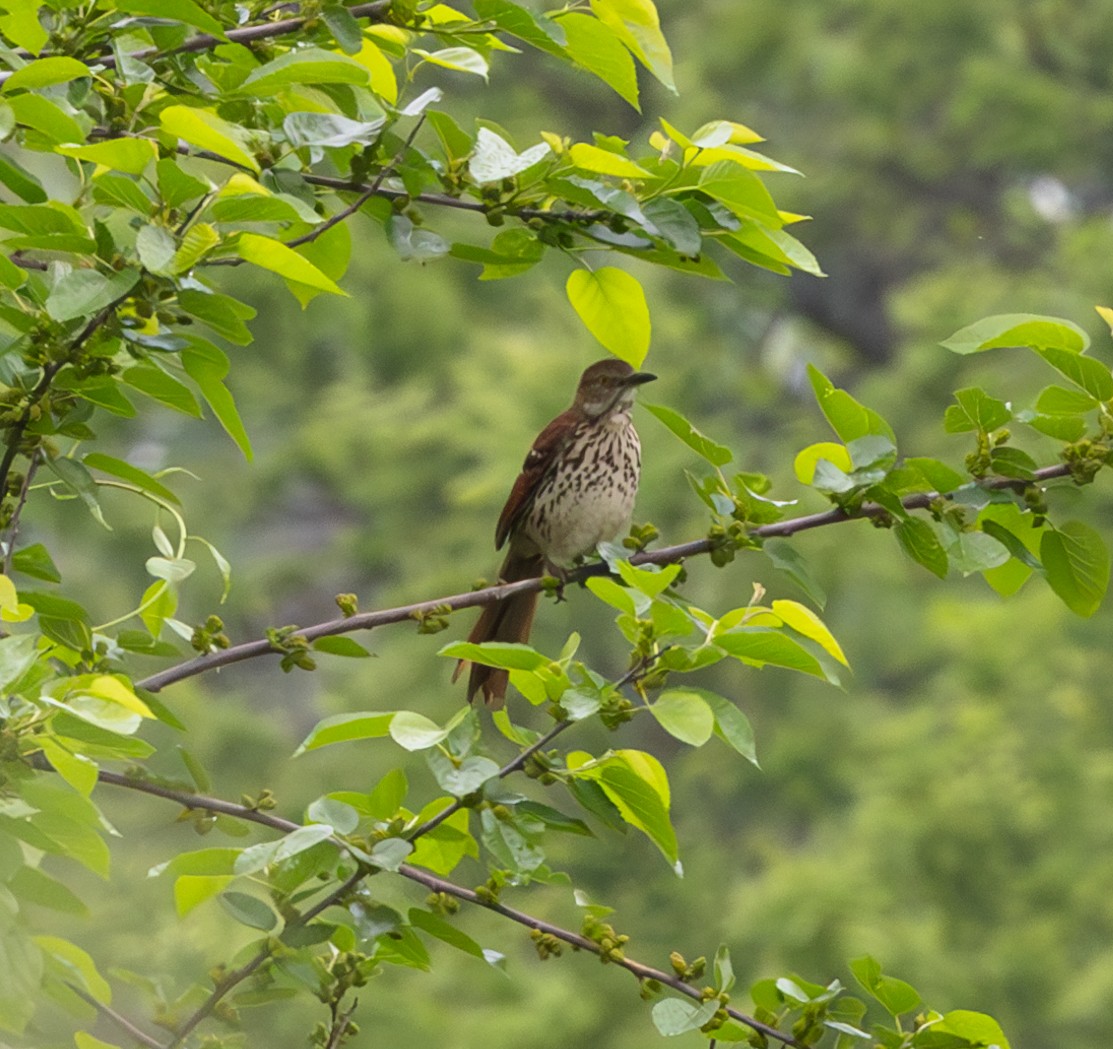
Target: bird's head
608,386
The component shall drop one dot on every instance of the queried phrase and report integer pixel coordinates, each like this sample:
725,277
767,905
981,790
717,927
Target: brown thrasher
576,490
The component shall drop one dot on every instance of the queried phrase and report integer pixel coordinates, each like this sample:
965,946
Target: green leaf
35,561
140,478
849,419
163,604
341,728
198,241
175,10
338,815
636,24
919,541
804,621
346,31
594,46
207,366
309,65
495,159
1091,375
20,24
204,129
273,255
612,306
895,995
152,381
442,930
84,292
715,453
46,71
21,970
191,890
80,481
504,654
460,59
131,155
731,725
76,965
788,559
587,157
741,191
340,646
31,885
672,1016
1057,400
541,32
684,714
415,731
971,552
636,784
175,186
156,248
1018,329
329,129
674,223
224,314
1076,562
249,911
807,459
975,410
938,475
976,1028
21,182
121,191
760,646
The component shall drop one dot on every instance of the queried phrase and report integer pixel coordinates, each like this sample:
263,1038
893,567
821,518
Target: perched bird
576,490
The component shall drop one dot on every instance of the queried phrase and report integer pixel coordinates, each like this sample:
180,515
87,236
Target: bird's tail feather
507,620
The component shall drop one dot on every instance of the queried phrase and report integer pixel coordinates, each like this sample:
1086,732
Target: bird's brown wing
542,456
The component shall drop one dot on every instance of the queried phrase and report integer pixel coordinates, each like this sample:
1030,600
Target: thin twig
340,216
120,1021
242,35
491,594
13,523
415,874
340,1023
517,763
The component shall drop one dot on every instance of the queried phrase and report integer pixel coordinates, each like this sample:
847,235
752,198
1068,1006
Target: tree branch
415,874
489,595
243,35
120,1021
582,943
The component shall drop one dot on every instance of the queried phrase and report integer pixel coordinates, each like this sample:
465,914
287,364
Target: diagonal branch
118,1019
491,594
582,943
421,877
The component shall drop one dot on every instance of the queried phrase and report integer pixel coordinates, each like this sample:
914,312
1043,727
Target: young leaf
919,541
612,306
849,419
1018,329
684,714
1076,562
140,478
594,46
204,129
716,454
344,727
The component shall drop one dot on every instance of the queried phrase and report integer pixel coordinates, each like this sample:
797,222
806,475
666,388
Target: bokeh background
950,810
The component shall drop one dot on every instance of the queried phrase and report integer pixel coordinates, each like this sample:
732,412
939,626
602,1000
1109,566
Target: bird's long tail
508,620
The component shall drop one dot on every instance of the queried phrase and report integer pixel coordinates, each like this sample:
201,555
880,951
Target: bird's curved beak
637,378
